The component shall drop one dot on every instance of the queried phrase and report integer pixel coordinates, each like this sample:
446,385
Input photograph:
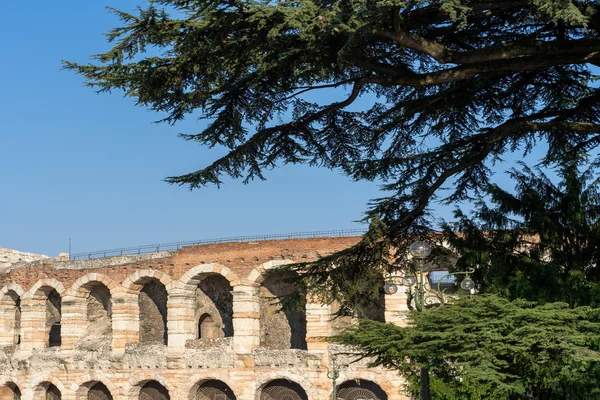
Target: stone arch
50,282
263,380
385,384
138,380
134,282
83,384
279,389
11,287
89,309
10,387
278,330
151,290
257,275
359,389
80,286
42,308
10,314
41,383
204,291
211,389
10,391
197,380
192,277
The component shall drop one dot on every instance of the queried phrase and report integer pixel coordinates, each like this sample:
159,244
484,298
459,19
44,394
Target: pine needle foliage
540,242
491,348
431,92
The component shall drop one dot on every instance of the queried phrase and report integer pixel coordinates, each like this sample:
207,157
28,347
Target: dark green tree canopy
431,92
491,348
541,242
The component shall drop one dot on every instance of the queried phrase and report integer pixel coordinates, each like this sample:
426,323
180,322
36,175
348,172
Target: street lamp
333,375
421,294
415,281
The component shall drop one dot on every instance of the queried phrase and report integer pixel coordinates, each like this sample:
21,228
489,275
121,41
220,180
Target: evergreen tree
456,84
541,242
491,348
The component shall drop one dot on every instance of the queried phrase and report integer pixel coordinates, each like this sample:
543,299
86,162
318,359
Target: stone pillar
181,318
7,324
396,305
73,321
318,327
33,324
125,320
246,318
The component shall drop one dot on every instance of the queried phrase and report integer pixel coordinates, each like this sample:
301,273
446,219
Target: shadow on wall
53,318
153,313
98,333
214,308
280,329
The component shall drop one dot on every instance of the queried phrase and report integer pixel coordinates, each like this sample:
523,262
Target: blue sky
89,167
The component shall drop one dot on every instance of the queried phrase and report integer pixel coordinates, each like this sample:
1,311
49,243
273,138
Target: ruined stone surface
9,257
114,314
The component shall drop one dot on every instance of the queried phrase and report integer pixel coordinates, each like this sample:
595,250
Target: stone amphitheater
198,323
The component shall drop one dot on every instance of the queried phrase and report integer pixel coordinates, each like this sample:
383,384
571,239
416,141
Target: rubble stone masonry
199,323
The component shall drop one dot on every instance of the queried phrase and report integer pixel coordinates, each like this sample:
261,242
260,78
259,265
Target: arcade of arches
202,323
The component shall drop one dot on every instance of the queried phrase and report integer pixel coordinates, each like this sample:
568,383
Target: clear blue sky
89,167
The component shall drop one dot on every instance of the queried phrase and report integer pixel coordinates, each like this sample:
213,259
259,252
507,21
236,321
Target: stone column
396,305
7,324
181,318
246,318
318,327
73,321
33,324
125,320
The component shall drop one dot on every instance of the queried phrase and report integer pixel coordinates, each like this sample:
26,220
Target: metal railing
173,246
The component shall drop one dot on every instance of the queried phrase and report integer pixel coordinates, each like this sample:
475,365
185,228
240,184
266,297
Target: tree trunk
425,392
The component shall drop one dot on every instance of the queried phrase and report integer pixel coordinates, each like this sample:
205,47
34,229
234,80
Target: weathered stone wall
113,313
10,257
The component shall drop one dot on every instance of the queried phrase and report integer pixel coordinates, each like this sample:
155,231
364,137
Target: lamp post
333,374
418,292
421,295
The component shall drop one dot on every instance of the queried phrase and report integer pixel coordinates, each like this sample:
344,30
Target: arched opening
153,390
53,318
153,313
282,389
360,389
10,392
52,393
99,391
213,390
11,318
214,308
280,329
98,332
208,328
